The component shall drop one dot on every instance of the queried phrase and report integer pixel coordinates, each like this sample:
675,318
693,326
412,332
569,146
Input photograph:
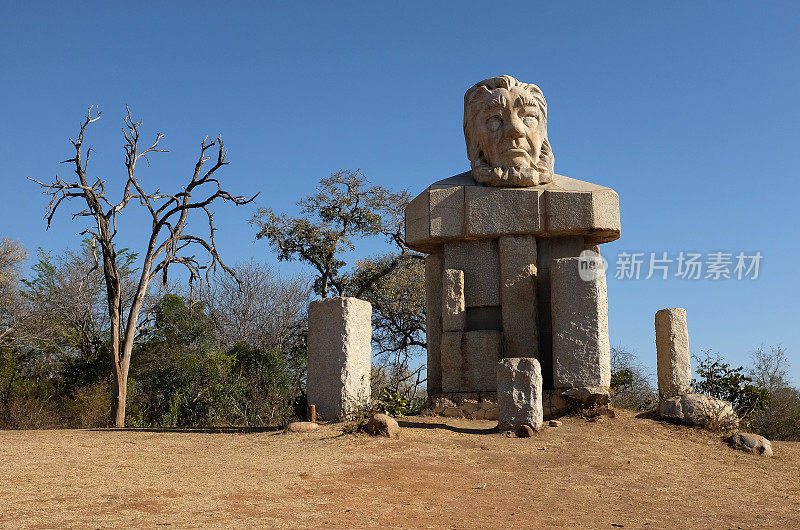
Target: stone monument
672,353
496,282
339,355
676,401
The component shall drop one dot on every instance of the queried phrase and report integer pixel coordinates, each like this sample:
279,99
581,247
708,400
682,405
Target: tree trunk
118,399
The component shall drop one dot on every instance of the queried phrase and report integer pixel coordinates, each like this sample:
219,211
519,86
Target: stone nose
514,128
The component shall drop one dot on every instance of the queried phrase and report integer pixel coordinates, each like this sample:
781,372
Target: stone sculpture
505,126
492,236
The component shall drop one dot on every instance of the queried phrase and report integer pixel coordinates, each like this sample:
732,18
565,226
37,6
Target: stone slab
579,311
417,223
519,393
481,351
446,211
457,207
494,211
452,361
591,212
518,296
339,355
469,360
453,304
672,351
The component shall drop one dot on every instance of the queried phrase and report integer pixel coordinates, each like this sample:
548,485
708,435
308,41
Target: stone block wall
484,405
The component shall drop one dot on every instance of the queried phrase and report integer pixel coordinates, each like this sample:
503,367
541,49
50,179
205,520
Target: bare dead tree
168,243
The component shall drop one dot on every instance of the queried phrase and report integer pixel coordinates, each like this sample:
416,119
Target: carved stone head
505,126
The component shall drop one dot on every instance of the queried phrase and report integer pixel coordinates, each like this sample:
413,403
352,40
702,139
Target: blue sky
689,110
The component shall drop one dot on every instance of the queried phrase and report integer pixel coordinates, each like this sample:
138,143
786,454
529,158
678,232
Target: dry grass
624,471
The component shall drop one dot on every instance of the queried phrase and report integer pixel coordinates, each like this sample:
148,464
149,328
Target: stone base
698,410
483,405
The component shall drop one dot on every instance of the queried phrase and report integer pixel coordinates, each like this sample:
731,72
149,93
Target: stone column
519,393
581,349
339,355
672,350
549,249
518,296
433,321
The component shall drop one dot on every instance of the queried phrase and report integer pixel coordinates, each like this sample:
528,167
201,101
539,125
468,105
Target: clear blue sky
688,109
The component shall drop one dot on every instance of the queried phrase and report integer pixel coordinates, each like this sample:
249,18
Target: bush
630,386
396,404
780,419
718,379
89,407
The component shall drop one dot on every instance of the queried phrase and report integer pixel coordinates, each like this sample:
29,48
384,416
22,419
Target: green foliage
718,379
622,379
396,404
181,379
270,389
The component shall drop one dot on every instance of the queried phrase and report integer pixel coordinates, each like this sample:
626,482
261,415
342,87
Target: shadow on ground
463,430
193,430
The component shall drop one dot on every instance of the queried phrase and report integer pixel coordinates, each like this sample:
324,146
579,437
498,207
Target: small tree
168,241
780,419
397,293
343,208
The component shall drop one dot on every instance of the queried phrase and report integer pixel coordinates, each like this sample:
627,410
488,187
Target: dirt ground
627,472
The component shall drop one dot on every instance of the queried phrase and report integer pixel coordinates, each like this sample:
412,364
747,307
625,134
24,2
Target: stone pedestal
581,349
339,355
672,350
491,251
519,393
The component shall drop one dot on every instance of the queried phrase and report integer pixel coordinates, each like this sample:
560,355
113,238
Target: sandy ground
624,472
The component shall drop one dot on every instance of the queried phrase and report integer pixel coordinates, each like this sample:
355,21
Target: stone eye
530,119
494,123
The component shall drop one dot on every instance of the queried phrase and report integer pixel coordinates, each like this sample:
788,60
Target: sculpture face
505,125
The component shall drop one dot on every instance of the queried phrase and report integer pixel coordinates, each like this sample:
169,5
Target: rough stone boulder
382,425
519,393
302,426
524,431
751,443
698,410
587,396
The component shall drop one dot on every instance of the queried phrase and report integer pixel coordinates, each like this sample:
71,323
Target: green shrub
718,379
